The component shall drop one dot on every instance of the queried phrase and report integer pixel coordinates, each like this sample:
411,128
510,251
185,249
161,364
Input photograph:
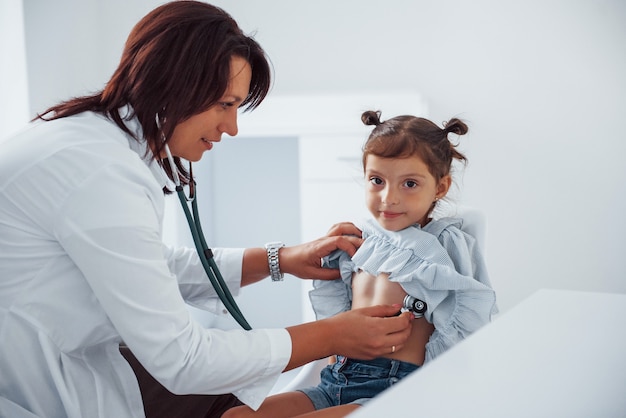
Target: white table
557,354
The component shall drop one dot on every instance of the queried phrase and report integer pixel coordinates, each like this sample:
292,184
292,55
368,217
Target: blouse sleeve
462,248
330,297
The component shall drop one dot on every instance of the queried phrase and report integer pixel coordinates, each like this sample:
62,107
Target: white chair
474,223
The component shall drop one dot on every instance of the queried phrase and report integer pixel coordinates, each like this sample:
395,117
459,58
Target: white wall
13,79
539,82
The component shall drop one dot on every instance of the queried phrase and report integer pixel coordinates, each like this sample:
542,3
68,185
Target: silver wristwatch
272,259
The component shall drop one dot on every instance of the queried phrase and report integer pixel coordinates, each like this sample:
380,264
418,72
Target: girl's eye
410,184
376,180
225,105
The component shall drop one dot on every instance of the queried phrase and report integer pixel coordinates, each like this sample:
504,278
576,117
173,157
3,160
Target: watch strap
272,260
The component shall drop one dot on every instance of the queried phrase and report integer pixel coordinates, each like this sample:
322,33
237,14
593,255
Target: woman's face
400,191
197,134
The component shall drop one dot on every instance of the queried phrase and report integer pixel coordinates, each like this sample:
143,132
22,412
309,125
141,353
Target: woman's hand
371,332
304,260
363,333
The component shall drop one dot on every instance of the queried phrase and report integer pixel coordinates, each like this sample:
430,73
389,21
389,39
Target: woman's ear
444,186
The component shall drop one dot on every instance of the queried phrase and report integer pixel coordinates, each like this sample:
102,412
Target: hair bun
371,117
456,126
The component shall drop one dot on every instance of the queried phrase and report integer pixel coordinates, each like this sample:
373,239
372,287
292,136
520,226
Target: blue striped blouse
439,264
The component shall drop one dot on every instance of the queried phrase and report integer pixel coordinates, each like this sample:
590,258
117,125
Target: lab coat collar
141,147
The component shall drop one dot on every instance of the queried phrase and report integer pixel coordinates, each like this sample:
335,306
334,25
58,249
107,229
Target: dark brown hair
406,136
175,64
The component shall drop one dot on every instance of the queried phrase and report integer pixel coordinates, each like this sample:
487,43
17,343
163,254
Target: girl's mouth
390,215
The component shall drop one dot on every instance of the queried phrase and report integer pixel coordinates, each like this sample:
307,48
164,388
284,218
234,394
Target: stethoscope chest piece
414,305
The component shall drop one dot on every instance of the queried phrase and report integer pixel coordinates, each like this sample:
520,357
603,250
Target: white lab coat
83,268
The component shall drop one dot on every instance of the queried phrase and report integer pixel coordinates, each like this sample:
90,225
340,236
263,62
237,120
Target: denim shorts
351,381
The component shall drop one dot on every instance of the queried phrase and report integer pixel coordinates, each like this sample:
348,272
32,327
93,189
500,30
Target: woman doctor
83,269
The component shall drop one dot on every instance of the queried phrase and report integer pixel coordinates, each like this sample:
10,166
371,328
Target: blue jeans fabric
356,381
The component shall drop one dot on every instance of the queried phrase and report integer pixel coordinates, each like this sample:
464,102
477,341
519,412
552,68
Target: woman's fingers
344,228
349,244
373,331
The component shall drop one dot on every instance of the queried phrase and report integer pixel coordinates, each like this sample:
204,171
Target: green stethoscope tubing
204,252
206,258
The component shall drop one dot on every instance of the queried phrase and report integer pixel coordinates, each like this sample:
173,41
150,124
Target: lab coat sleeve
193,282
121,257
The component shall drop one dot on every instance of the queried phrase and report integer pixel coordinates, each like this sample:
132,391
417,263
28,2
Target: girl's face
194,136
400,191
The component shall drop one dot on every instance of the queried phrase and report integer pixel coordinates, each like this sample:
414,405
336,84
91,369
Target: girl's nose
389,196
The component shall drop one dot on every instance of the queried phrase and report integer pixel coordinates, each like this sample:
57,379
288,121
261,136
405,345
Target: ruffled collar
411,242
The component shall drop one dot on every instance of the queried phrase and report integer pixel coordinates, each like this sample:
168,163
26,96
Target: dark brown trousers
158,402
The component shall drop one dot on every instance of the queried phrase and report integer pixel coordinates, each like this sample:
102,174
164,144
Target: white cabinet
330,139
331,189
331,182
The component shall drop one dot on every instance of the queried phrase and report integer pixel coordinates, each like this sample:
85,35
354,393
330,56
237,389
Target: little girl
406,254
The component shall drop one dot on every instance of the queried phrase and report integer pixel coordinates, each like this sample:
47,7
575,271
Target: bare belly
369,290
